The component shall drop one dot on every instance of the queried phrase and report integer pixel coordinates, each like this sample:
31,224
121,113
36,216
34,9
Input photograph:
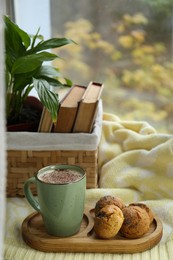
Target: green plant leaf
31,62
34,39
51,44
68,83
27,91
53,81
18,31
13,43
48,98
9,62
20,83
47,70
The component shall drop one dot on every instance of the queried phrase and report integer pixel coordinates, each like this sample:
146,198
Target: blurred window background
127,45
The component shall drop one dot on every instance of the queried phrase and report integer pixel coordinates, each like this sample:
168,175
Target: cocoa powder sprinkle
60,176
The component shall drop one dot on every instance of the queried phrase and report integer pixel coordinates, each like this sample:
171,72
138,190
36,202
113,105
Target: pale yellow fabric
136,164
133,155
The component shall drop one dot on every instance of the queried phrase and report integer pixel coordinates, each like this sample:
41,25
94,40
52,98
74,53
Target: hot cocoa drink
60,176
60,198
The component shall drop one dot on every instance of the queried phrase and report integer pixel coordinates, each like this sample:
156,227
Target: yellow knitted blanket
136,164
132,155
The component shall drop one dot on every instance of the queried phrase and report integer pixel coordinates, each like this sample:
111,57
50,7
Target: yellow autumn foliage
126,41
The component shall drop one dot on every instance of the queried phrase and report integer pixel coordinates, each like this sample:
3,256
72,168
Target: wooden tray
85,240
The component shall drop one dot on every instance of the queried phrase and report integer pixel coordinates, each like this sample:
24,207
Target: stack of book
77,110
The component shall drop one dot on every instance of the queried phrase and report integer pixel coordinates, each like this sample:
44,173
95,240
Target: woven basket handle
29,196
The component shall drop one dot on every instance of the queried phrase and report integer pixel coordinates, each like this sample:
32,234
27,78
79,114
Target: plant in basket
25,69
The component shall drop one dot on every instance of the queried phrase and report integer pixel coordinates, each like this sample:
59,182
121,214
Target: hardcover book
46,123
88,108
68,109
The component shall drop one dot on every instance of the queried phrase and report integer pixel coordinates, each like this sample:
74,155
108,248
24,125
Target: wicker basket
29,152
24,164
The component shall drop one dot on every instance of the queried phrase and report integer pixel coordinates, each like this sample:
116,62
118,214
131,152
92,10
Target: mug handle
28,194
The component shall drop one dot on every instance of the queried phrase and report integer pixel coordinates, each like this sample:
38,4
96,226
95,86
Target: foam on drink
60,176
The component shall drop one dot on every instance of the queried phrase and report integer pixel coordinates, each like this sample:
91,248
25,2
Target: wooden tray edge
86,244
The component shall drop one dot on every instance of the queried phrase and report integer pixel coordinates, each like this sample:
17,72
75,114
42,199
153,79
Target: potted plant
29,151
25,69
